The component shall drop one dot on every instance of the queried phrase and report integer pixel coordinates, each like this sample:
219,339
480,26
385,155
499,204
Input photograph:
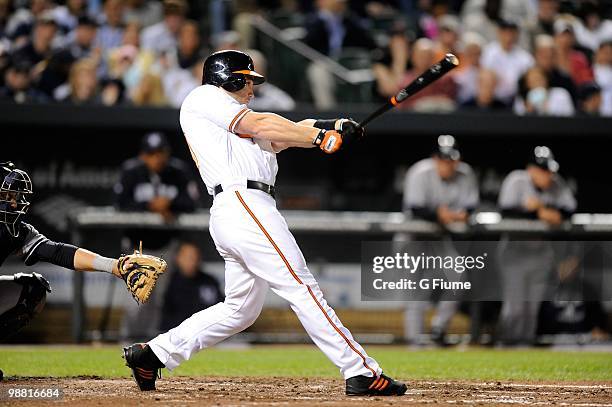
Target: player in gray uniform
527,268
440,189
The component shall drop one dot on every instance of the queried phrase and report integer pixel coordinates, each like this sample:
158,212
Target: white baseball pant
260,252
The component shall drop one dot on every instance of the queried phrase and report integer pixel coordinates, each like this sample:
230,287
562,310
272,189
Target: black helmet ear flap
235,83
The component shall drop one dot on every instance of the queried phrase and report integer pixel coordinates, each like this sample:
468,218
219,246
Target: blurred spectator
5,13
572,62
179,82
603,75
592,29
187,51
267,96
441,189
507,60
189,290
82,46
162,37
143,12
67,16
149,91
83,82
466,74
448,37
110,31
546,59
590,99
156,182
226,40
440,95
20,25
539,98
39,47
483,16
131,34
548,10
392,63
528,266
112,92
485,97
332,28
17,84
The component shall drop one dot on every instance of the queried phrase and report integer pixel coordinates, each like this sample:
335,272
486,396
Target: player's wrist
318,139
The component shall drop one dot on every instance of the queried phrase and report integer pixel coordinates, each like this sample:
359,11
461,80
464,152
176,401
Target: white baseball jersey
208,118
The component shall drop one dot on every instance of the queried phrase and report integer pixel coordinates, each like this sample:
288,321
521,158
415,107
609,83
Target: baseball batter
235,150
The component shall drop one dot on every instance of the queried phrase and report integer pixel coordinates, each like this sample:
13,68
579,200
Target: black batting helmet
229,69
15,189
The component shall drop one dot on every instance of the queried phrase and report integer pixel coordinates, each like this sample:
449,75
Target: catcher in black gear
140,272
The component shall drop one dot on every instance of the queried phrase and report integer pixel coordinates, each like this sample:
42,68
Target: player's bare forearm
277,129
85,260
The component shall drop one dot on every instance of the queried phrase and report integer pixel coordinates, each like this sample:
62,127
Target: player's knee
244,315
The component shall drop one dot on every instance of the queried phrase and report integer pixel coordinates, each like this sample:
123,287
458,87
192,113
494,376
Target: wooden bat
435,72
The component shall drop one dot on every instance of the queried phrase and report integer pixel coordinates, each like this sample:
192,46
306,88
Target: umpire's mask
15,190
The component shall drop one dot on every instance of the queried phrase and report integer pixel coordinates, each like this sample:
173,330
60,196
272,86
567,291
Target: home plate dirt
279,391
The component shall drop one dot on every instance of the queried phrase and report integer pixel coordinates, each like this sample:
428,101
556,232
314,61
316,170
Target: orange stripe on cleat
374,383
384,385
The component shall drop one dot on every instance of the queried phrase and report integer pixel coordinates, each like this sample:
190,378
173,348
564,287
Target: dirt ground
275,391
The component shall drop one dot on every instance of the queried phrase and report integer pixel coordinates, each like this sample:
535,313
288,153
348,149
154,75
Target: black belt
268,189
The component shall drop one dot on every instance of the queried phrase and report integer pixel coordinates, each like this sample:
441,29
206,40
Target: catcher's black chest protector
10,244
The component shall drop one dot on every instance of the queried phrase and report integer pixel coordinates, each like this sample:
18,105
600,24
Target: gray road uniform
527,267
424,192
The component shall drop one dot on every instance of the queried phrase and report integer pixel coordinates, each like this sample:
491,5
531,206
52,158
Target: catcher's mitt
140,273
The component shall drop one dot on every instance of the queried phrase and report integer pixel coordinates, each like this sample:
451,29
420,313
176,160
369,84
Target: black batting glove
350,130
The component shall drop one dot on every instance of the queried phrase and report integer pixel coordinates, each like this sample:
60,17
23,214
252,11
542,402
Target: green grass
472,364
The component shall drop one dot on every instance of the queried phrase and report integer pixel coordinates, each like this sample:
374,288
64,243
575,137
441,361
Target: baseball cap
450,23
154,141
543,157
507,24
46,18
86,20
447,148
561,26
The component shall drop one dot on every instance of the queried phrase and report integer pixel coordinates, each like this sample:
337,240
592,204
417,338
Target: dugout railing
482,225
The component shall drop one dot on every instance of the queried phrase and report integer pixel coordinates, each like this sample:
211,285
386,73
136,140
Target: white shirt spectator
177,85
558,102
271,98
147,14
467,83
158,38
603,77
592,39
508,66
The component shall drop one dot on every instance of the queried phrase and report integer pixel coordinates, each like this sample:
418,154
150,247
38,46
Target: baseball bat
435,72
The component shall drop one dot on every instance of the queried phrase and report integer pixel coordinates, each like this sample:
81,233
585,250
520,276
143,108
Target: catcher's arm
84,260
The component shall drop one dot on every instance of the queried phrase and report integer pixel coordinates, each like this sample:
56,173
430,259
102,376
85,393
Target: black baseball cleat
374,386
146,368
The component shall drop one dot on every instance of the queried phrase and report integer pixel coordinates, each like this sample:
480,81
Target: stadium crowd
547,57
